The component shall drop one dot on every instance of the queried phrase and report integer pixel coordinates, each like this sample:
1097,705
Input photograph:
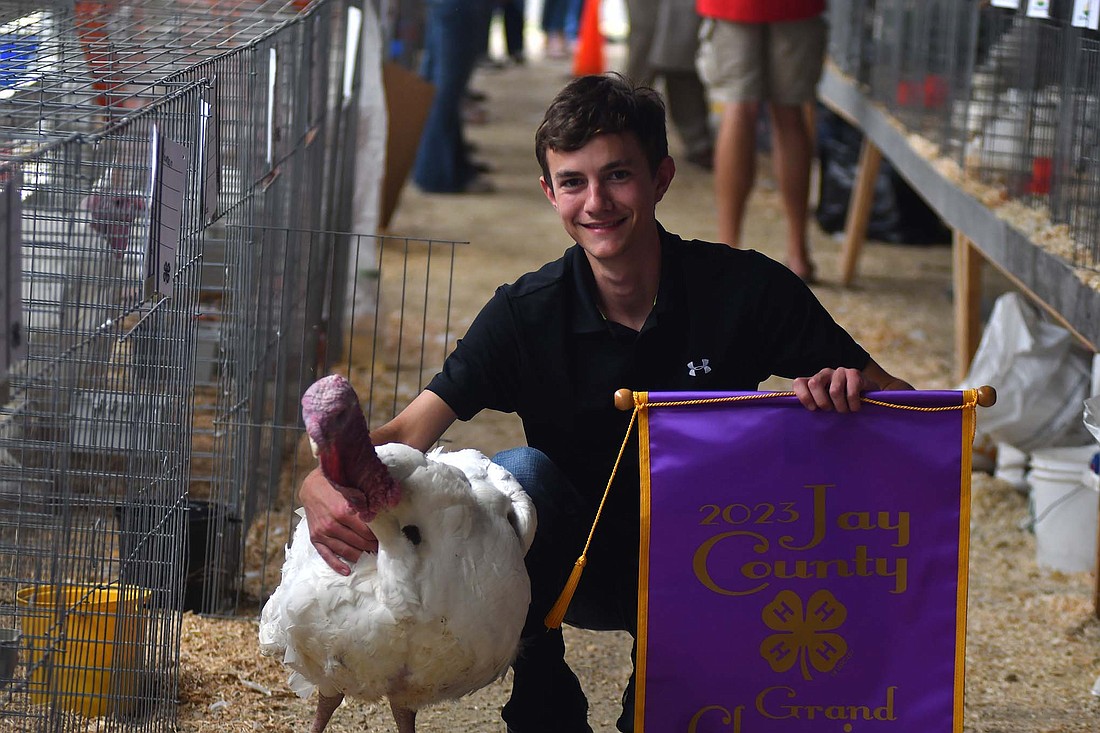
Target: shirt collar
586,317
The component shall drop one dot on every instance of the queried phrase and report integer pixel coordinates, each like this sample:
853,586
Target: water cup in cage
1041,169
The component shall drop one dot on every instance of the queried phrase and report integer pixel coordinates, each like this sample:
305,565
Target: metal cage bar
171,162
1009,98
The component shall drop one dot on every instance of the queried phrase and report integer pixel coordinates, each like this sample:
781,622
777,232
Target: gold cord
556,614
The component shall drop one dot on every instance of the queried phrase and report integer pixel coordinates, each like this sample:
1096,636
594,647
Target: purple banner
803,571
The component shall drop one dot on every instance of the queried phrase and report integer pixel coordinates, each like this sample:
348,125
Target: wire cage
913,60
887,34
166,169
943,79
1075,189
385,324
94,456
850,46
1006,94
1015,93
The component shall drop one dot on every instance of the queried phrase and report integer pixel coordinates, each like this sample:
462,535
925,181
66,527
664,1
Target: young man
630,305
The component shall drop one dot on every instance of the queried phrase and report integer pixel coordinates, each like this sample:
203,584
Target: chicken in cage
1078,155
1014,108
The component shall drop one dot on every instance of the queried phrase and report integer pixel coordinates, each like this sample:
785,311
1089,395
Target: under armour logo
695,370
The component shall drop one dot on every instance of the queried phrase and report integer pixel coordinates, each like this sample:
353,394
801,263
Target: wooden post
859,209
967,286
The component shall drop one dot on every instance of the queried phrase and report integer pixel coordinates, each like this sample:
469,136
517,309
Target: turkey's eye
412,532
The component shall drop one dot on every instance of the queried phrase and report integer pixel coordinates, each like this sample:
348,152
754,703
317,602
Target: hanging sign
803,571
168,187
1086,14
210,149
1038,8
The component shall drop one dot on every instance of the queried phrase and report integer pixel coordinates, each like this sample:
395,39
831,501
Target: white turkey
437,612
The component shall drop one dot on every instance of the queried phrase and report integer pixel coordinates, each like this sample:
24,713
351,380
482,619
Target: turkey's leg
406,719
326,706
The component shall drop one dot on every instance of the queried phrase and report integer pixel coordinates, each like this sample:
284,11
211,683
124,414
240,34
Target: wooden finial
624,399
987,396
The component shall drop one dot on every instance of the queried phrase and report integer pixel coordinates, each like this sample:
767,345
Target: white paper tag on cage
351,55
272,75
12,339
210,148
1038,8
1013,4
169,184
1086,14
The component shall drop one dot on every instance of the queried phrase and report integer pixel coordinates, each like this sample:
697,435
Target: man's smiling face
606,194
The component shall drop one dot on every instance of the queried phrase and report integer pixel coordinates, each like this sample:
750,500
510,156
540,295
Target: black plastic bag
898,214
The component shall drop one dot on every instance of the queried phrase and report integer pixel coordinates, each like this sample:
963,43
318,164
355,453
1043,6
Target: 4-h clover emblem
805,636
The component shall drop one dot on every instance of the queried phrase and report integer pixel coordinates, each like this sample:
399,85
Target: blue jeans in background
573,11
454,37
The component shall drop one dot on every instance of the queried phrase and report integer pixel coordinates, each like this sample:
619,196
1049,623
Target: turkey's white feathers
416,623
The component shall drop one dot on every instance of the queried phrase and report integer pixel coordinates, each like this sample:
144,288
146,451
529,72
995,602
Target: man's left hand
833,389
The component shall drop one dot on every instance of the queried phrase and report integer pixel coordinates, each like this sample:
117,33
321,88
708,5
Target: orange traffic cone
588,58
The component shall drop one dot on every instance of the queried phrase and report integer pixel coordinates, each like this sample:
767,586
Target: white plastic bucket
1065,459
1065,503
1011,466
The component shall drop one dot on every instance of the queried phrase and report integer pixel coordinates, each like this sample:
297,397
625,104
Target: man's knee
522,461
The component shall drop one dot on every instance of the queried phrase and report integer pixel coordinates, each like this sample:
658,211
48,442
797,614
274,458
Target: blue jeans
512,13
454,37
562,16
546,696
573,11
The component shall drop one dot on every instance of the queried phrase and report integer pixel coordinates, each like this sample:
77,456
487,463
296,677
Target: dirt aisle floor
1033,647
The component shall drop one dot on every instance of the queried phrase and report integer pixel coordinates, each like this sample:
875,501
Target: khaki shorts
776,62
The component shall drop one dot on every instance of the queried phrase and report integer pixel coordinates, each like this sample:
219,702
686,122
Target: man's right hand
335,529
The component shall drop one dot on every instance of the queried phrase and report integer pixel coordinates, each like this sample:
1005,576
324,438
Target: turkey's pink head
113,216
338,429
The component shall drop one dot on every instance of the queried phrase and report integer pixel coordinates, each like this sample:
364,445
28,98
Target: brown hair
599,104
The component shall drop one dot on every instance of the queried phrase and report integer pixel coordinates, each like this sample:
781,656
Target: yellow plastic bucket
84,646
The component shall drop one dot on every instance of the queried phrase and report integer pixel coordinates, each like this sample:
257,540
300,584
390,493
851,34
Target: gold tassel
557,613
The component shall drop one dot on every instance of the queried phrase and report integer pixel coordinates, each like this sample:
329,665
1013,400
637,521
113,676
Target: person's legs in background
780,64
572,22
661,44
553,25
792,158
690,113
514,12
732,66
642,17
453,41
796,57
511,14
734,167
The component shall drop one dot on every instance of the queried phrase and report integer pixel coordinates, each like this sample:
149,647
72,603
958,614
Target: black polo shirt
724,319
